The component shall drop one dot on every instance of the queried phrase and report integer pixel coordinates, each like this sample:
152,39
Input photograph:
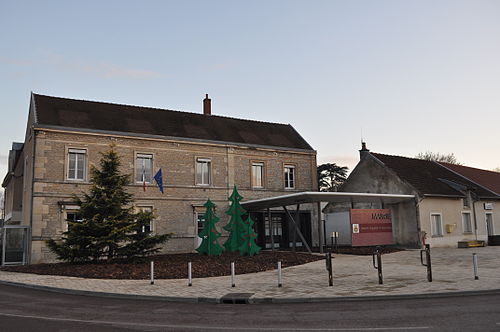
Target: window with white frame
199,217
466,222
144,168
76,164
257,175
289,173
146,228
72,216
436,225
203,171
489,224
466,201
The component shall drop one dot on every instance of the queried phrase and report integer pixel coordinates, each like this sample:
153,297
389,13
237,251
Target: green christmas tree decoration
249,247
210,244
235,226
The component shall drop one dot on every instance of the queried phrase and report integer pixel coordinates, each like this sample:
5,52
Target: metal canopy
314,197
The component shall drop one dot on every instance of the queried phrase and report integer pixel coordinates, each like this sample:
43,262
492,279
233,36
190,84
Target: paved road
23,309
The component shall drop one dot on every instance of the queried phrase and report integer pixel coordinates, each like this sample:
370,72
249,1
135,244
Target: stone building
201,156
454,203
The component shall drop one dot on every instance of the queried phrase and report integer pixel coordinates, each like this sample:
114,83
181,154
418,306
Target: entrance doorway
282,229
14,244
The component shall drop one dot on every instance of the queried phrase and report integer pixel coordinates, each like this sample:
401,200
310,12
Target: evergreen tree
109,228
249,247
235,226
141,242
210,244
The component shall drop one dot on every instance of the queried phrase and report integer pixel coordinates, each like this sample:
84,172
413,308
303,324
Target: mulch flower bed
174,266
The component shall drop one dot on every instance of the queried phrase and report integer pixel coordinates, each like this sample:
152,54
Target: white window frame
139,171
255,166
287,178
73,209
199,162
198,213
492,230
433,231
466,202
464,228
149,208
77,151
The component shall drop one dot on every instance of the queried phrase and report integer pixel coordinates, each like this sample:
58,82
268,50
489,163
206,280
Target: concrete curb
251,300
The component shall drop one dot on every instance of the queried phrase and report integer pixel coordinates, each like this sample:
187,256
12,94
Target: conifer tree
108,227
210,243
141,241
235,226
249,247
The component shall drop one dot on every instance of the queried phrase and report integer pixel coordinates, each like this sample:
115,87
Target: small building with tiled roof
489,180
454,203
201,156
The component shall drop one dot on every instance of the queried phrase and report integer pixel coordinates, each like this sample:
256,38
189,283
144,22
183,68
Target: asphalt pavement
23,309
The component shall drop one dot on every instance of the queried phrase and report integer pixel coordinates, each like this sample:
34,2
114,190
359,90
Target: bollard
328,259
474,263
152,272
190,276
378,265
280,280
335,236
232,274
427,263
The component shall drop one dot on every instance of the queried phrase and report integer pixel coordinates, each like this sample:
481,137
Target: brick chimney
364,151
207,105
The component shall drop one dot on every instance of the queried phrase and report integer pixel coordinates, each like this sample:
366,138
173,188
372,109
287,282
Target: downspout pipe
474,200
30,235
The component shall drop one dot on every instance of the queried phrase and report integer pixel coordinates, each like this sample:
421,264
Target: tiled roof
429,177
81,114
487,179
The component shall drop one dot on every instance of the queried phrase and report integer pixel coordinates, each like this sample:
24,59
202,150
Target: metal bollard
335,236
474,263
328,258
232,275
280,280
378,266
427,263
190,276
152,272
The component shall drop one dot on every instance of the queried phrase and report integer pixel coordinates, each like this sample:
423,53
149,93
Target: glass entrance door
14,245
276,228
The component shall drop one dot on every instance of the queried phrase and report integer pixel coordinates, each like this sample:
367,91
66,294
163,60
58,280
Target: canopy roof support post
296,227
321,227
297,230
271,228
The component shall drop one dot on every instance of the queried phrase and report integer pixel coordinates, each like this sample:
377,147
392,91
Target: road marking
201,327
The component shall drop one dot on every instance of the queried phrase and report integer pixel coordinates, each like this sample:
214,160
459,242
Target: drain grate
236,298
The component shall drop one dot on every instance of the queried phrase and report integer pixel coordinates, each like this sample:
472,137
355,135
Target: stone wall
175,208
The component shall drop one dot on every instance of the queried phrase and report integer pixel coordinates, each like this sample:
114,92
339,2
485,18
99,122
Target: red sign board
371,227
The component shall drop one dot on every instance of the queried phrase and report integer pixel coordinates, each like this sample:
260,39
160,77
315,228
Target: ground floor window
146,228
489,224
436,225
72,216
199,220
466,222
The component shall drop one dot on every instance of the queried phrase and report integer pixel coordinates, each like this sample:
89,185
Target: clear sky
407,76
